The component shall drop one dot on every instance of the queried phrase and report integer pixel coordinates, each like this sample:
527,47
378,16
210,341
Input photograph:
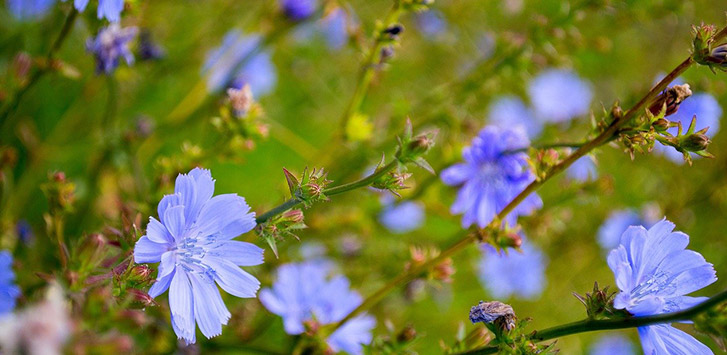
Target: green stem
603,138
293,202
547,146
13,104
368,70
588,325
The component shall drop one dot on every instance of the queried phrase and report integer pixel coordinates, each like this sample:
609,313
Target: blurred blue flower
112,44
516,273
431,23
334,28
28,10
491,176
109,9
510,111
654,271
298,10
708,112
194,244
302,292
559,95
609,234
239,61
24,231
9,292
583,169
612,345
402,217
148,48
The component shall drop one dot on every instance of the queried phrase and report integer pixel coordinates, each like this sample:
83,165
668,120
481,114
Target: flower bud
421,144
240,100
695,142
141,297
499,314
718,55
407,334
661,125
670,99
394,31
293,216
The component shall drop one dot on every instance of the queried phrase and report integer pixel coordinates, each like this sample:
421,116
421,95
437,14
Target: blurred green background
619,46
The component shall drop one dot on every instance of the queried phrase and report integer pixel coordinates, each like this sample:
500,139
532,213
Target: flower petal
147,251
232,279
456,174
181,306
238,253
209,310
174,221
221,211
665,339
157,233
161,285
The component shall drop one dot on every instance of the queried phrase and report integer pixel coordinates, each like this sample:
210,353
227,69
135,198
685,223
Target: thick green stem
588,325
603,138
293,202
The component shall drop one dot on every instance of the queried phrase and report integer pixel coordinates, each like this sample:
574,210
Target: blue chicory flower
109,9
612,345
9,292
28,10
510,111
654,271
402,217
516,273
431,23
491,176
609,234
583,169
334,28
303,292
298,10
112,44
193,243
239,61
559,95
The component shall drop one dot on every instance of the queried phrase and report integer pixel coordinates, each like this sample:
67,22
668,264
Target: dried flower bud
394,31
241,99
670,98
497,313
407,334
386,53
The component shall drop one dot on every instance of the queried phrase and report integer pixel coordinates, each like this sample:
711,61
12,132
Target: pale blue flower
402,217
654,271
491,175
109,9
708,112
28,10
510,111
239,60
110,46
583,169
194,244
334,28
431,23
609,234
298,10
519,274
303,292
559,95
9,292
612,345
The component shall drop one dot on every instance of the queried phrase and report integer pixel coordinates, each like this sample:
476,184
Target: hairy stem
588,325
603,138
294,201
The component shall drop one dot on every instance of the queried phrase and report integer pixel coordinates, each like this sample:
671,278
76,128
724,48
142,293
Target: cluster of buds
281,226
500,319
704,50
441,272
599,303
542,161
240,119
60,193
412,149
500,238
310,188
393,181
170,166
